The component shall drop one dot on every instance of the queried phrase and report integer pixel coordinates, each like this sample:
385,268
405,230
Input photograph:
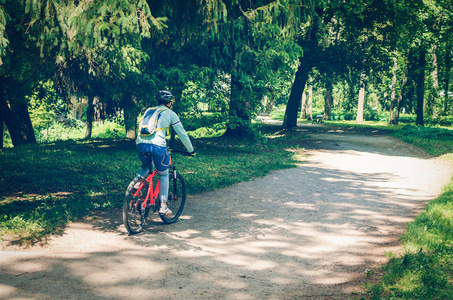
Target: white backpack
148,125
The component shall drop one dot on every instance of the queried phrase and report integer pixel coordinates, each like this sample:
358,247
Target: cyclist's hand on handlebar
192,154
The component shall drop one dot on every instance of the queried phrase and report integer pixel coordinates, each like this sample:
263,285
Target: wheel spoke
133,213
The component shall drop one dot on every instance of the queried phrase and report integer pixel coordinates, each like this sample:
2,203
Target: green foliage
75,130
3,40
123,51
120,23
436,141
192,123
277,114
45,105
427,132
212,131
342,115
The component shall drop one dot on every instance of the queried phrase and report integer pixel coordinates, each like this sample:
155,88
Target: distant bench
317,119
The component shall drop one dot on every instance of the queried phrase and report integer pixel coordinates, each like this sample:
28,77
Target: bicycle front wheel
176,198
133,214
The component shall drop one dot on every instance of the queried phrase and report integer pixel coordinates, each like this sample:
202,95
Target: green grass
44,187
434,140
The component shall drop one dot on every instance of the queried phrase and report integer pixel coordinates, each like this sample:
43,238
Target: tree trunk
90,117
402,96
328,100
361,104
400,101
303,110
421,86
310,100
239,116
26,127
131,113
18,122
448,63
2,129
264,103
270,103
8,119
393,95
431,104
295,97
2,111
435,72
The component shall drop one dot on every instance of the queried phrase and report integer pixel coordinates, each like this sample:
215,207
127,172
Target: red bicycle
142,195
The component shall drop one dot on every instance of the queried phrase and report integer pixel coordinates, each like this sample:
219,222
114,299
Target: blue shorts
159,155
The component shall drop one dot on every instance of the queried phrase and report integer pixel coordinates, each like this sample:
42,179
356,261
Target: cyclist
155,145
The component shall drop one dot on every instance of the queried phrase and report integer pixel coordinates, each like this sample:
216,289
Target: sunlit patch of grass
435,140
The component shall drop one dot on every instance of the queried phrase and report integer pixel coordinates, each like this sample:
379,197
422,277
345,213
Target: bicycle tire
176,198
133,216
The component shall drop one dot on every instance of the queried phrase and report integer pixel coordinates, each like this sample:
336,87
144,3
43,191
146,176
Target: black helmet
164,97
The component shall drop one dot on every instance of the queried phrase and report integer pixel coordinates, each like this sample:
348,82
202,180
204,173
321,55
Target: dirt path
304,233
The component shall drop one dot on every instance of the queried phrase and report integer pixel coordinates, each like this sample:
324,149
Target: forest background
225,61
68,66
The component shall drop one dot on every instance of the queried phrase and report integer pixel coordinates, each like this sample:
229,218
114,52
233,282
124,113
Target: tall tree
309,41
259,45
247,40
393,92
106,54
30,33
37,34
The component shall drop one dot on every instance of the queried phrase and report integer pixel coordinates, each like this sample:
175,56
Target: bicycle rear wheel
176,198
134,215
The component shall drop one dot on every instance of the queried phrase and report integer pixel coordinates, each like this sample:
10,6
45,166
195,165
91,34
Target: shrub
192,122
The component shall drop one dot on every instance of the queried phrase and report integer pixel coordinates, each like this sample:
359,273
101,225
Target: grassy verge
425,269
44,187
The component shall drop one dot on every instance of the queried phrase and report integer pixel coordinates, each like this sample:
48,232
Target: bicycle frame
152,193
